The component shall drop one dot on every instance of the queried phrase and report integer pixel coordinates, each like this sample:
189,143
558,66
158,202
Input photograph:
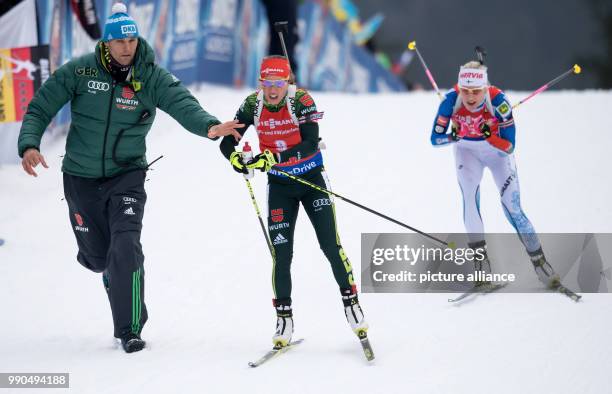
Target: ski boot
284,323
353,313
483,264
544,270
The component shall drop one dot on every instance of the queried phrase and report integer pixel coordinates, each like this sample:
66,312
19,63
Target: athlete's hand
453,134
496,140
227,128
237,163
32,158
485,129
263,161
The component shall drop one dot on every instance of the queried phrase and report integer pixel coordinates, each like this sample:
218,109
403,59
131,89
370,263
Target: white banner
18,27
8,142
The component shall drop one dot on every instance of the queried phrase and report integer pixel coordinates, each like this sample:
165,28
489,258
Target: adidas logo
129,211
280,239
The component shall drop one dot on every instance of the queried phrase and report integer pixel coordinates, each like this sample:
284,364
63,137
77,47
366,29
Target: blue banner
59,47
251,42
223,41
183,39
218,23
328,58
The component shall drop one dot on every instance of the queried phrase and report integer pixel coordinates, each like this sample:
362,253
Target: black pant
106,217
284,200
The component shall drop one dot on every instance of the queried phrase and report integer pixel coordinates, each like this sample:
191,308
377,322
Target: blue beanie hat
119,24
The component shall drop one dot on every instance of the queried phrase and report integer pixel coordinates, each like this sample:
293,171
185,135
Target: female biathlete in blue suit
483,133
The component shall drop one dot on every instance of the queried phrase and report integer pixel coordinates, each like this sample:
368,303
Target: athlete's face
274,88
472,98
123,50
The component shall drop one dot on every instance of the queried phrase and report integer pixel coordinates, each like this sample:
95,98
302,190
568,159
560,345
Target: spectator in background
280,11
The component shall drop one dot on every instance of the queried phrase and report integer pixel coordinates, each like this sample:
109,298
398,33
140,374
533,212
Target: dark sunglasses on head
279,83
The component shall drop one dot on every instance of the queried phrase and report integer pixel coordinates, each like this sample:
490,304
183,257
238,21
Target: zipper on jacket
125,164
110,107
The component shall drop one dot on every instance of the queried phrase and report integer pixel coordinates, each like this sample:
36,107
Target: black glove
485,129
453,134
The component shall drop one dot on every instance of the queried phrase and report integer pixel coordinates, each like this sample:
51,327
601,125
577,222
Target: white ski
277,350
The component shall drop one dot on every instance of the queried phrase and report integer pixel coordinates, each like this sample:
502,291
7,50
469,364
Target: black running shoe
132,343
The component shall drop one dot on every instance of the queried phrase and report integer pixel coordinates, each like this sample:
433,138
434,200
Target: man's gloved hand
263,161
237,163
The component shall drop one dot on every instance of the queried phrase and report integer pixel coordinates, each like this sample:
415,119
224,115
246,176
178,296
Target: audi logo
321,202
97,85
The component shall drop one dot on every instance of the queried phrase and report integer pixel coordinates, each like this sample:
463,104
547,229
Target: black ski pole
322,189
280,28
261,223
481,54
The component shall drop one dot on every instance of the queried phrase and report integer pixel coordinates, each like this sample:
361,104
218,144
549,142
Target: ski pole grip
281,27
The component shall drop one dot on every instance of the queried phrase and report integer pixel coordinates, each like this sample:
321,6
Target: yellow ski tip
577,69
452,245
412,45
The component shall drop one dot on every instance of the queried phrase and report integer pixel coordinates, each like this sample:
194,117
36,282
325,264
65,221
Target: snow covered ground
208,270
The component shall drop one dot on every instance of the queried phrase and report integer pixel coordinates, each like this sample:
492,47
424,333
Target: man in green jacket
114,94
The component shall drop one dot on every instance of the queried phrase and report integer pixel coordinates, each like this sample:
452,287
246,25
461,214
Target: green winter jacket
110,120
